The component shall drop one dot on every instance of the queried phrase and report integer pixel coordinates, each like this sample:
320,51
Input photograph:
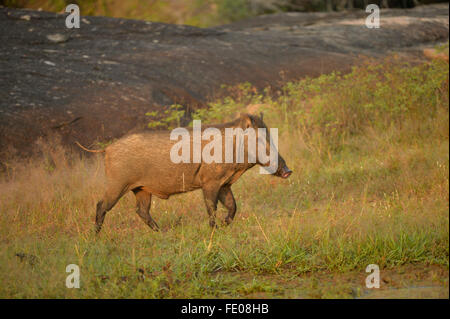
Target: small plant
169,119
442,48
103,145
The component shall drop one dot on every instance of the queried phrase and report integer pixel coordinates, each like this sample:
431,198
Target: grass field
201,13
370,155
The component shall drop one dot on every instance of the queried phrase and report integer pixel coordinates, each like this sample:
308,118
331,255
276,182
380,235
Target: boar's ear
245,121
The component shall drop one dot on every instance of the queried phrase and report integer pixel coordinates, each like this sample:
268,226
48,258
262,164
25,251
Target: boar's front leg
143,203
210,194
227,199
113,193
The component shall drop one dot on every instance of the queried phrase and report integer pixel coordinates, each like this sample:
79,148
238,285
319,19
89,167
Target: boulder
97,82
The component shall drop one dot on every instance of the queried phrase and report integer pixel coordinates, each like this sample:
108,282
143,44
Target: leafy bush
170,118
335,106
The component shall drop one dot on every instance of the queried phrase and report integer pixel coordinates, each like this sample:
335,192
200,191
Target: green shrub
336,106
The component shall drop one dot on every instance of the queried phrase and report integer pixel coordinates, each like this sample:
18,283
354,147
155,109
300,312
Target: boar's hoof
153,225
97,229
155,228
213,224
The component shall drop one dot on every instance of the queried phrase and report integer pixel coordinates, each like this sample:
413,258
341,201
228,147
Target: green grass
370,156
200,13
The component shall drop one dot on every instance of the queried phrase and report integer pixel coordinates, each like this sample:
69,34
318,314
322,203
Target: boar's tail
88,150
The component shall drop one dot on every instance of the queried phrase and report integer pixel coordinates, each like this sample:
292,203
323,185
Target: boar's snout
284,172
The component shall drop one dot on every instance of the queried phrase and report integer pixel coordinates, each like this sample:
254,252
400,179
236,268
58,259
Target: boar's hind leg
227,199
143,202
210,195
112,195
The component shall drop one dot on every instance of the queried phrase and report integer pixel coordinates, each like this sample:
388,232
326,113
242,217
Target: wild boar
142,163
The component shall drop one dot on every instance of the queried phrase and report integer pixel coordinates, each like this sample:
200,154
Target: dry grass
369,192
198,13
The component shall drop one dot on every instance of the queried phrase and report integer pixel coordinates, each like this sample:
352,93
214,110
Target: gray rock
58,37
156,64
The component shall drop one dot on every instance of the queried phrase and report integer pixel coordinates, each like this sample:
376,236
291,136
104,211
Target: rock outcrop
97,82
